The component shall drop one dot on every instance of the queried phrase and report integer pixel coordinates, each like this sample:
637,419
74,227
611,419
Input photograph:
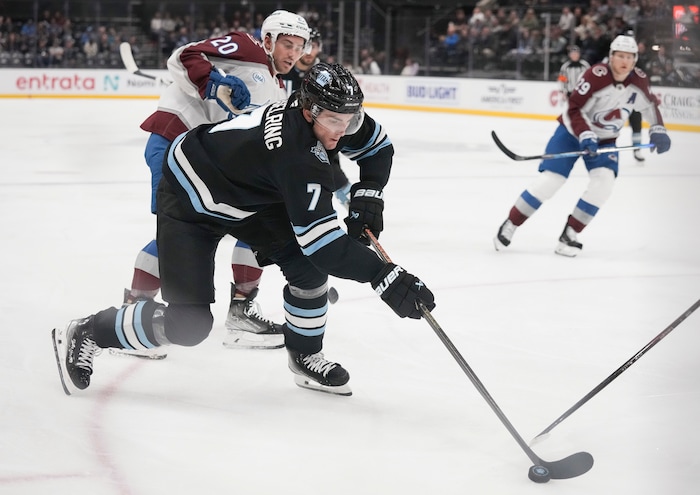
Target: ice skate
75,349
156,353
504,236
568,245
314,372
247,328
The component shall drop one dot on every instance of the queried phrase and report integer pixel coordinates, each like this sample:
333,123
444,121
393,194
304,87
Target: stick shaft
622,368
461,361
550,156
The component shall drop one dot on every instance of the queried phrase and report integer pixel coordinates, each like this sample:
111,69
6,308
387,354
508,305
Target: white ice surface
539,330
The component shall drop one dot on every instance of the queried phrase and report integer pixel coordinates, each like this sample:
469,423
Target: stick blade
570,467
128,57
502,146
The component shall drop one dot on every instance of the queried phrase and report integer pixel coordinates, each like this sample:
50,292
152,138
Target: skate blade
152,354
238,339
306,382
498,244
566,250
62,371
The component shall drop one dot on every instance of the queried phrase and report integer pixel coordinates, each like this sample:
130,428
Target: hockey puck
538,474
332,295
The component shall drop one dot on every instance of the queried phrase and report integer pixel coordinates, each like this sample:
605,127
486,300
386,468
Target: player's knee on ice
188,324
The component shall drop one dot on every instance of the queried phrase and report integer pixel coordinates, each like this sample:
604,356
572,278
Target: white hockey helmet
624,43
284,22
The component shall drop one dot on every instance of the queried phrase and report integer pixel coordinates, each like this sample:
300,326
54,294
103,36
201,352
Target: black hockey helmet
315,36
330,87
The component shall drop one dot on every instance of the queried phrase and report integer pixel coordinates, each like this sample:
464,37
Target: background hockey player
598,108
214,79
264,178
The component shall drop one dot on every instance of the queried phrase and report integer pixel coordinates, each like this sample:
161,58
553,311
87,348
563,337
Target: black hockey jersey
231,170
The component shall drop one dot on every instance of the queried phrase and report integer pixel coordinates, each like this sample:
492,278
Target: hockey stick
549,156
569,467
622,368
130,64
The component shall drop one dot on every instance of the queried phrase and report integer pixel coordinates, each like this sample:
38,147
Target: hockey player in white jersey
214,80
597,109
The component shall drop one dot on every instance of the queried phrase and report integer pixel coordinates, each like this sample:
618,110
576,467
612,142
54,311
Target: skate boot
314,372
75,349
568,245
504,236
156,353
247,328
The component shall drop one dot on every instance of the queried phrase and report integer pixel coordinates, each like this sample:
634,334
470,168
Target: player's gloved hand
659,138
401,291
229,91
588,141
365,210
343,195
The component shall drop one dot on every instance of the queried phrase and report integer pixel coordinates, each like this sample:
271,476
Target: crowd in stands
492,36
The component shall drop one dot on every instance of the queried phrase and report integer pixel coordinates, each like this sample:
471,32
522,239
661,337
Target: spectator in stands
368,64
449,44
558,43
595,47
642,56
631,13
156,26
90,48
661,56
530,20
56,51
567,21
477,18
410,67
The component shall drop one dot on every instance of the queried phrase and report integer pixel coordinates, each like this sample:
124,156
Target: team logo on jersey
600,70
640,72
258,78
612,120
320,153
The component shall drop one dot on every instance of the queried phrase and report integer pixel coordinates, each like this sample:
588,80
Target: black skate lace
317,364
88,350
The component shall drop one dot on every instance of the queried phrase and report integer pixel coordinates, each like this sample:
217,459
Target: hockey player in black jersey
264,178
292,81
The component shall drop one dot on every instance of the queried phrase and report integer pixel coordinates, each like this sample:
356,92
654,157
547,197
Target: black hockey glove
401,291
365,210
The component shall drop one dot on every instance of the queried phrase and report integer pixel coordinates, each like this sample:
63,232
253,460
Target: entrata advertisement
70,83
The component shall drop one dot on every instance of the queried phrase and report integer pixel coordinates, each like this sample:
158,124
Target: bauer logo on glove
402,291
366,210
